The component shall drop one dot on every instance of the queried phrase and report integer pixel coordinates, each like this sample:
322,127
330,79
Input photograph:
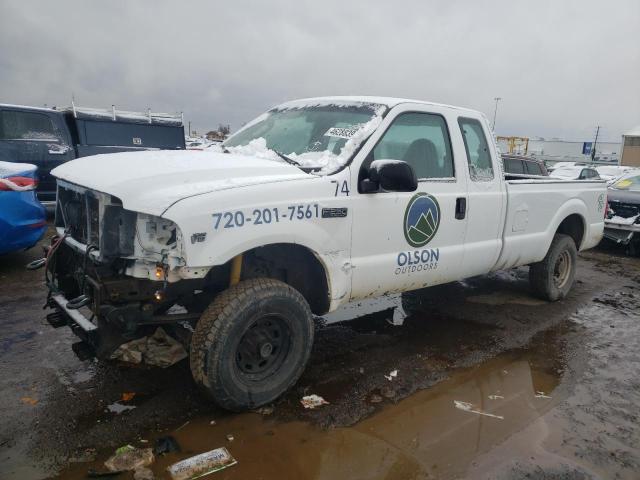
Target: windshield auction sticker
342,132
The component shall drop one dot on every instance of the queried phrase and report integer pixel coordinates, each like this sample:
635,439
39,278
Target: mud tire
231,319
544,277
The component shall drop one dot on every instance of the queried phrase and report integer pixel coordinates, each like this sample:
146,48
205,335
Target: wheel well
293,264
573,226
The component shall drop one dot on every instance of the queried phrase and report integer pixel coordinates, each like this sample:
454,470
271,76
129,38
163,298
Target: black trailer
48,137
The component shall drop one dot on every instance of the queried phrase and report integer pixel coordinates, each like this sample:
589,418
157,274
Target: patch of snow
256,148
13,168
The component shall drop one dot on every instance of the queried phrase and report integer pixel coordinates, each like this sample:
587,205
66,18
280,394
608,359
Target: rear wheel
552,278
252,343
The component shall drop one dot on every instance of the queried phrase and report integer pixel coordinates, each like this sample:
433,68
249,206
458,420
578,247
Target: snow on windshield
321,137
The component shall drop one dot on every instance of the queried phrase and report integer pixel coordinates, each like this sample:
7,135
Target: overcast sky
561,67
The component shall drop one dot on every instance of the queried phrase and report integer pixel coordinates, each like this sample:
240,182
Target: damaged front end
113,274
622,223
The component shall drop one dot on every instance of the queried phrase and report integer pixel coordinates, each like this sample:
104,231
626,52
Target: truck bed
529,230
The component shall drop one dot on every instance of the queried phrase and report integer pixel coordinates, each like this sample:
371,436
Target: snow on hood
12,168
151,181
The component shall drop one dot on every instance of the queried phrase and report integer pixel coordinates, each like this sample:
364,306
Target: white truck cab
315,203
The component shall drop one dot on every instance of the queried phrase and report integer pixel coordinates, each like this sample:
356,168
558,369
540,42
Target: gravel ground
559,382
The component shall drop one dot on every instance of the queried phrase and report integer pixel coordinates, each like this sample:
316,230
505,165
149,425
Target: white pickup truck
315,203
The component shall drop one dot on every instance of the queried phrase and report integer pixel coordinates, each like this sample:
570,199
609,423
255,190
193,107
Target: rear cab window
533,168
513,165
420,139
477,148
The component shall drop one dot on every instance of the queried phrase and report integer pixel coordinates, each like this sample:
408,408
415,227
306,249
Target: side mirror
389,176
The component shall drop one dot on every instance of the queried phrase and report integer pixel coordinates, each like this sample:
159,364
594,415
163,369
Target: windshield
631,182
319,137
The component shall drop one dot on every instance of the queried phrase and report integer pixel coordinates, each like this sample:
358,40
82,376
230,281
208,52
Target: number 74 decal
342,186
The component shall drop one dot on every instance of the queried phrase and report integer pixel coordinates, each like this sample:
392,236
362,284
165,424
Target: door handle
461,208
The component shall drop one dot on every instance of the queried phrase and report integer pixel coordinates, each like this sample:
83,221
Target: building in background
630,155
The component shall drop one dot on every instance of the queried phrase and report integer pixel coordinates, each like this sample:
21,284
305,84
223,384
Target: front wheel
552,278
252,343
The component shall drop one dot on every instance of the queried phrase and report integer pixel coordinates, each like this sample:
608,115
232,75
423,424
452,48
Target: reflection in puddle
423,435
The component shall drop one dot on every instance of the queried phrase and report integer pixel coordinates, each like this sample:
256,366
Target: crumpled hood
151,181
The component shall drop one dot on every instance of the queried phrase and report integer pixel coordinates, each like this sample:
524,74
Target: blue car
22,217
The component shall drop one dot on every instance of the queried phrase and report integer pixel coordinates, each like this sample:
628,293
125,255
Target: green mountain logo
424,229
421,219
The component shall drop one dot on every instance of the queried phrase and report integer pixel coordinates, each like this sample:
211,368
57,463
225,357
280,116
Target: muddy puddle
435,432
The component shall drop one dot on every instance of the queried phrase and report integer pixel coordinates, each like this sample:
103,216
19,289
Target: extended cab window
513,165
533,168
25,126
478,154
421,140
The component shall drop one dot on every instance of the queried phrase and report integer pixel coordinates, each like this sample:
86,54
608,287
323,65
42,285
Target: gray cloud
560,67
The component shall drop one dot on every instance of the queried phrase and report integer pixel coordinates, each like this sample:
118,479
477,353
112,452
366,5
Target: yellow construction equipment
514,144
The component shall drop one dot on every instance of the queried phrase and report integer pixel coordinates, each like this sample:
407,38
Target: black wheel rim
562,269
263,347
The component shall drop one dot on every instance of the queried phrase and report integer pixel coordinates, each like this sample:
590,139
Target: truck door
408,240
36,137
486,196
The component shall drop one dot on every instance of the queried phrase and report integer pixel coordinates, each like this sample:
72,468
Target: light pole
495,111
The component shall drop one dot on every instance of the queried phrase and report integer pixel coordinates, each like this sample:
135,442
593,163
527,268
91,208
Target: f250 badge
421,219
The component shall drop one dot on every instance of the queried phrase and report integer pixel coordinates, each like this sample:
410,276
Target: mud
553,389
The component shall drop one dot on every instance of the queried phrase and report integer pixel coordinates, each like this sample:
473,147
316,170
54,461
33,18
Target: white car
577,172
315,203
612,173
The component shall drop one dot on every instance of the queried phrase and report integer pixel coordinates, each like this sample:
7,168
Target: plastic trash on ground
201,465
143,473
159,349
313,401
129,458
468,407
393,374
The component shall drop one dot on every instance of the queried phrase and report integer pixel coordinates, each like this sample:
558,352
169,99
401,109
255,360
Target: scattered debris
375,398
542,395
29,400
495,397
183,425
212,422
166,445
393,374
177,310
264,410
313,401
129,457
118,408
83,455
186,325
468,407
230,437
388,392
159,349
143,474
202,464
127,396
